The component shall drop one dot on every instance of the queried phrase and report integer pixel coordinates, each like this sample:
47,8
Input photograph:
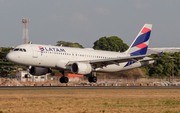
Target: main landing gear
63,79
93,77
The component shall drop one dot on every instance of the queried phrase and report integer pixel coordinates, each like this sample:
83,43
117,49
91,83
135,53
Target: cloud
102,11
140,5
77,16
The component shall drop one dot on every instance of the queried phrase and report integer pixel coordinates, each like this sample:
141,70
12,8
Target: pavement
84,87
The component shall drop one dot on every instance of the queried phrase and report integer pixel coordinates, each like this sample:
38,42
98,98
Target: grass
90,101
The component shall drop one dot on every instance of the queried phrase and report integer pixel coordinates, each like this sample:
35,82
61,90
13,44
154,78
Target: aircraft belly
135,65
47,62
111,68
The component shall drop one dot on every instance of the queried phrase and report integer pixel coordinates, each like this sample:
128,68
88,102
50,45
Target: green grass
88,101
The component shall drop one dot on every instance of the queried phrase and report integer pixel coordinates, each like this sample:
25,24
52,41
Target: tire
66,79
61,80
26,76
90,79
94,79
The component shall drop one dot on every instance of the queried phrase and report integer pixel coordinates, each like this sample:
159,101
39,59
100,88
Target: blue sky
85,21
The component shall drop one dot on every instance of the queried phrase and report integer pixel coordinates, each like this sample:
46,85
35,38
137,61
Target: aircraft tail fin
141,42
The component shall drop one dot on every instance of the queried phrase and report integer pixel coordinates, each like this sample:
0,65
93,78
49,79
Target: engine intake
38,71
81,68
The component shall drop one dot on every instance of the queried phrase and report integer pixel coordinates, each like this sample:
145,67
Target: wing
104,62
157,59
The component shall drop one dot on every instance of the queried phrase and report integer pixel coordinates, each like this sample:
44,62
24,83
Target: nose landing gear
27,76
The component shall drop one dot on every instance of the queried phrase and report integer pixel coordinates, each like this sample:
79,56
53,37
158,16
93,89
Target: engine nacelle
38,71
81,68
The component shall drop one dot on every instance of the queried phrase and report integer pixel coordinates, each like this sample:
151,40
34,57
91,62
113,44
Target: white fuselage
57,57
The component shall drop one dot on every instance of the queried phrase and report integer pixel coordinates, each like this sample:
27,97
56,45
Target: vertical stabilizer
141,42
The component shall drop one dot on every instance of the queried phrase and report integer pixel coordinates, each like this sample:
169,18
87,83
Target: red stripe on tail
145,30
141,45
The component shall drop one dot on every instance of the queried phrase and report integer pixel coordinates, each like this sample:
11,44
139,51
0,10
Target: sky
85,21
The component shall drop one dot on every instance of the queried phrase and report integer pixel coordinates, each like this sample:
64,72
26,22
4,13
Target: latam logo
51,49
41,48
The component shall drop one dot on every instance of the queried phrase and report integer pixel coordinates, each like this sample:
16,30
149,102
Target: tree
163,67
112,43
6,67
69,44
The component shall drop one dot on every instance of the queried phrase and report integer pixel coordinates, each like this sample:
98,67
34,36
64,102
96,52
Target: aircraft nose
9,57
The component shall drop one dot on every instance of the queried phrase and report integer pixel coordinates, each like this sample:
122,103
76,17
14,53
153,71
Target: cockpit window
19,49
16,49
24,50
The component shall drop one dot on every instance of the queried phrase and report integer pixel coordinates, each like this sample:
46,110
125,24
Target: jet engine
81,68
38,71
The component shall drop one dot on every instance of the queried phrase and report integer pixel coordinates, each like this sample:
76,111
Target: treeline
161,67
164,67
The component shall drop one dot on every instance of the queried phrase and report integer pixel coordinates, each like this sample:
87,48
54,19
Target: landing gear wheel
64,80
27,76
92,79
61,80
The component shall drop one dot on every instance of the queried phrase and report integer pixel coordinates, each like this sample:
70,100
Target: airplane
41,59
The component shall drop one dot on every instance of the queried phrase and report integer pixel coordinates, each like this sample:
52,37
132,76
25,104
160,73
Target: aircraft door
34,52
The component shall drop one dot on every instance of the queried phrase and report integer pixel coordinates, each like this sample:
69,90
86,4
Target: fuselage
57,57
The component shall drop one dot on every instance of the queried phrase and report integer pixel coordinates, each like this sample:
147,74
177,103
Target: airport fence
83,81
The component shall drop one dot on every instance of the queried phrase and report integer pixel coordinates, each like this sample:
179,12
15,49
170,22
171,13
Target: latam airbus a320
42,58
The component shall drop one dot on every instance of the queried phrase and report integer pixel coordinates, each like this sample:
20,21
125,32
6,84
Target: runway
83,87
